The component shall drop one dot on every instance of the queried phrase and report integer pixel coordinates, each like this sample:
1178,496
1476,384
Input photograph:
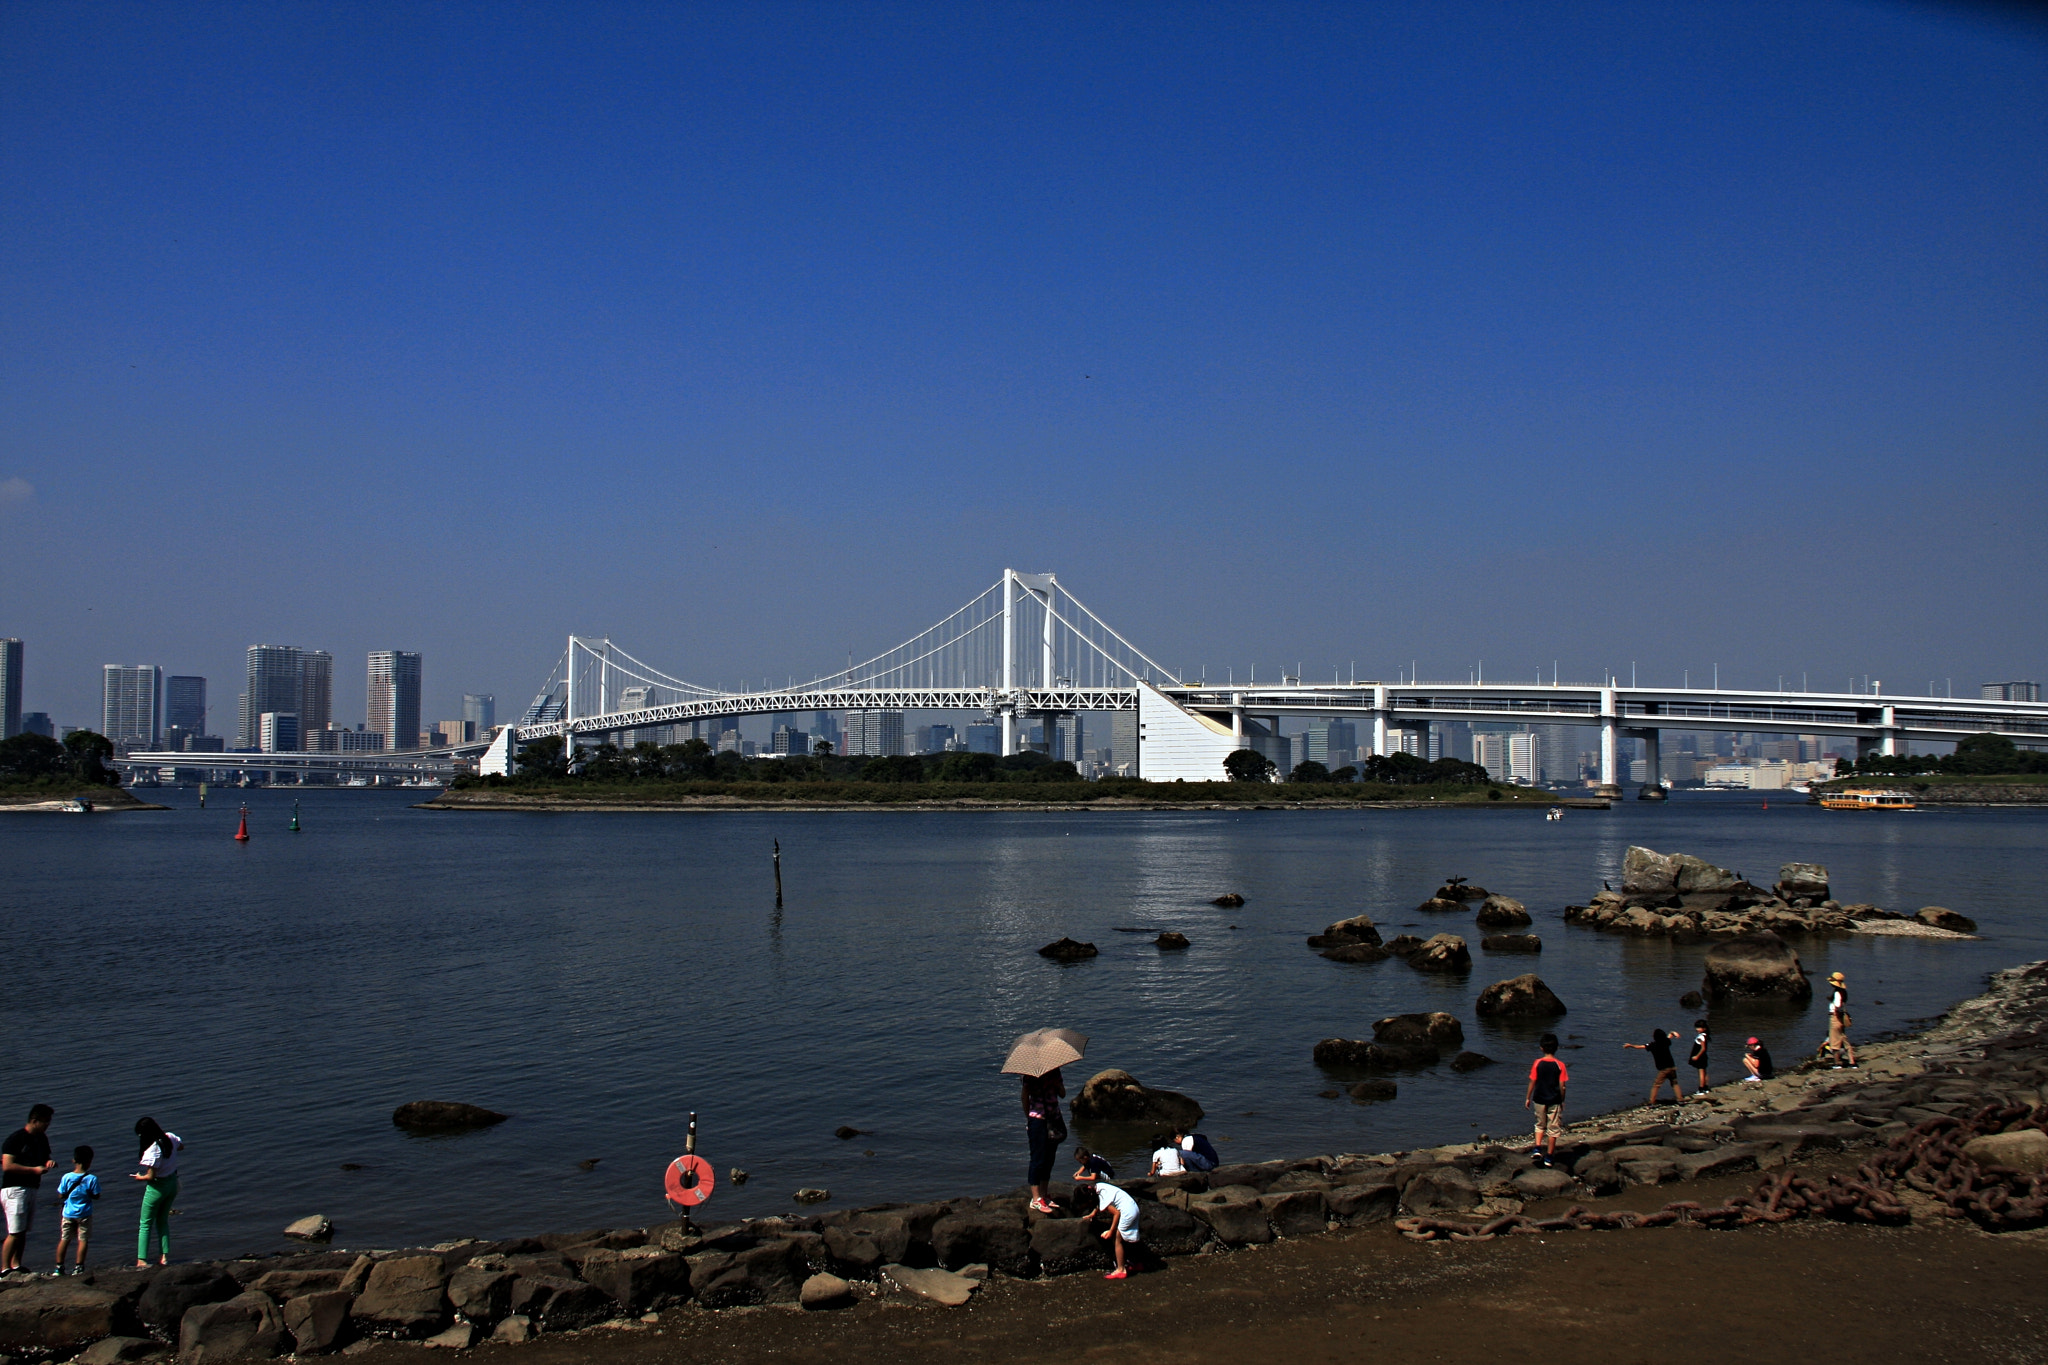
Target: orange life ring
690,1180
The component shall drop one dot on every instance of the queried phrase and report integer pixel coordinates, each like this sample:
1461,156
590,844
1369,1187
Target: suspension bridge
1026,649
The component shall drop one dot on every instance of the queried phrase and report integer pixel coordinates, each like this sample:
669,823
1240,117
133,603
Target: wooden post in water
778,873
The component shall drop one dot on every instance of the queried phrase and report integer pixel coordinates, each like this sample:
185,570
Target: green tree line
82,758
1984,755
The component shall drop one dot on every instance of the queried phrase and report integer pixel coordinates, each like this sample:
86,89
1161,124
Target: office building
825,726
277,732
394,697
451,732
480,709
1506,758
131,705
1123,743
339,739
874,734
38,723
10,687
787,739
185,704
2005,691
1069,737
1557,754
986,737
273,686
1323,741
316,689
937,738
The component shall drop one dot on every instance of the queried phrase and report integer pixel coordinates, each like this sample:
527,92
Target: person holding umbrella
1038,1057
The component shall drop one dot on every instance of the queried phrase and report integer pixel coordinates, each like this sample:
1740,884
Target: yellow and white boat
1866,798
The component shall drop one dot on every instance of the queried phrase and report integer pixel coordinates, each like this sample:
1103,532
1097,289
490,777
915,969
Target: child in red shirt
1547,1080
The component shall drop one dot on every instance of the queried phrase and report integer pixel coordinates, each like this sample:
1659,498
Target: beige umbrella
1034,1054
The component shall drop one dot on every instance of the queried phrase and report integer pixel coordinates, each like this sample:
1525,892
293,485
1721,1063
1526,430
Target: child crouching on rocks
1122,1209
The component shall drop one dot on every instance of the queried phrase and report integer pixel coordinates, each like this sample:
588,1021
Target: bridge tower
1039,587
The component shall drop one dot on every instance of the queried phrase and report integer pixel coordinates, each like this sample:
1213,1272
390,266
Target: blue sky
751,334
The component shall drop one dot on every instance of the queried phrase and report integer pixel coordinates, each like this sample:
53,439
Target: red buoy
242,830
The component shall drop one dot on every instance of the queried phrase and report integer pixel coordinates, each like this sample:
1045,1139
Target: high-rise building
132,705
185,704
277,732
1557,756
316,690
1123,742
38,723
273,686
874,734
787,739
394,697
480,709
2011,691
1324,740
939,739
10,687
985,737
1506,758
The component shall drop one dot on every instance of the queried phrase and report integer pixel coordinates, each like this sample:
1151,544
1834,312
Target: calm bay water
599,976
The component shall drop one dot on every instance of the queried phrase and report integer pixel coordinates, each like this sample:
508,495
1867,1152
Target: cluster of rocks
1118,1097
1358,940
1399,1042
1678,895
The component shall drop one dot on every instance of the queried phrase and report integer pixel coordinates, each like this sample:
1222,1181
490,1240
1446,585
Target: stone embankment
1951,1124
1678,895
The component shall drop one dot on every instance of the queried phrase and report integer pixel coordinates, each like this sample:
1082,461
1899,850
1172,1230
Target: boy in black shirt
1659,1048
24,1161
1547,1080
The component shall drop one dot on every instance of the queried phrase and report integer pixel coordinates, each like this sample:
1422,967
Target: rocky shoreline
1957,1118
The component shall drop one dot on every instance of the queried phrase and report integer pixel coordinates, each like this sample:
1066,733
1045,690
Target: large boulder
1404,1030
1357,929
1502,912
176,1289
1522,996
317,1320
558,1303
2023,1149
482,1290
1065,1245
1941,917
246,1327
1358,952
1694,876
1373,1090
404,1297
118,1351
1437,905
1235,1222
854,1253
1356,1053
443,1116
59,1315
1759,966
1167,1230
1357,1205
1064,949
1117,1097
825,1290
772,1272
1442,953
638,1278
1296,1213
1802,881
995,1237
1440,1189
1457,889
1646,872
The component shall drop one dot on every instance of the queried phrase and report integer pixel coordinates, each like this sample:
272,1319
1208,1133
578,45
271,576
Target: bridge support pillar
1237,717
1610,783
1009,719
1382,720
1888,724
1653,764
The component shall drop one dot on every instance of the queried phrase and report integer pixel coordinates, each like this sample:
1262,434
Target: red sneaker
1114,1275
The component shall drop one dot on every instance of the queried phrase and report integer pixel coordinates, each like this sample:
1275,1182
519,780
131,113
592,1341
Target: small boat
1554,813
77,805
1867,798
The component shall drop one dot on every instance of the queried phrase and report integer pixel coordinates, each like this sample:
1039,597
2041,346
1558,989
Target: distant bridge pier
1653,757
1008,711
1383,724
1610,783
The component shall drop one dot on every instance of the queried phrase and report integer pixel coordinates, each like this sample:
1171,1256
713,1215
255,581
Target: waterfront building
480,709
1558,751
185,704
874,734
2011,691
131,705
1506,757
10,686
277,732
394,697
273,686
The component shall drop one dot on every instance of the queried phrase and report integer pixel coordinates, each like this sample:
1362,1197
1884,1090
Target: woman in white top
159,1176
1166,1156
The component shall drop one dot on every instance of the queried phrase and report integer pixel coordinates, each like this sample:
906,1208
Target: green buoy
295,815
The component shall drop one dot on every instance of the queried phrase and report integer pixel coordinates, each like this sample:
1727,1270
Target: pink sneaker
1043,1206
1115,1275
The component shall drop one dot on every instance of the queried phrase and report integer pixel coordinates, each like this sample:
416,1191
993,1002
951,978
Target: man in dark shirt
1659,1048
24,1161
1545,1096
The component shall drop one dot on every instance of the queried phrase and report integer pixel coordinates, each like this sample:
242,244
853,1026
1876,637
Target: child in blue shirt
78,1190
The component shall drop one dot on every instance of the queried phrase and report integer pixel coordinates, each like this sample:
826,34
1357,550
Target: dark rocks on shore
1941,917
1118,1097
1511,943
1067,950
1522,996
1406,1030
1677,895
246,1327
1170,940
1758,966
1502,912
443,1116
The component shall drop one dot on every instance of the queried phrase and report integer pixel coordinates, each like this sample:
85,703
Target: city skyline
1741,311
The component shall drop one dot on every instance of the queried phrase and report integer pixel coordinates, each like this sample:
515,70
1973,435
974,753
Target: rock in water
1803,881
811,1195
1357,929
736,1176
1521,996
1502,912
1470,1061
1170,940
1511,943
1755,966
1695,876
1117,1097
1403,1030
1067,950
847,1131
1437,905
1229,900
443,1116
1692,1000
1443,953
1377,1088
1357,952
313,1228
1941,917
1646,872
